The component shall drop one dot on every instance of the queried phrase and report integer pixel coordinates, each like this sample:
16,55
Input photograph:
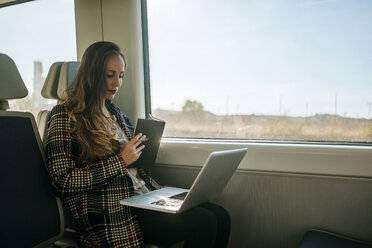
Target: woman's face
114,75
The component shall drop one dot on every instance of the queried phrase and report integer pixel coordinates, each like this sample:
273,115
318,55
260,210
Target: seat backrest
59,77
49,91
30,214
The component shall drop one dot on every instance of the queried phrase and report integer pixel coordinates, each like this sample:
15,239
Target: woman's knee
222,215
204,219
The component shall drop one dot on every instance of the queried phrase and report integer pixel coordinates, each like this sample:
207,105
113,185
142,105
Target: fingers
135,138
138,139
135,147
131,153
143,137
139,149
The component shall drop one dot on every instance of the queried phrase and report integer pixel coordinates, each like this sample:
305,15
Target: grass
282,128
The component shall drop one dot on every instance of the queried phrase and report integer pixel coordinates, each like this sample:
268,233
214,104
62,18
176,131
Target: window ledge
327,159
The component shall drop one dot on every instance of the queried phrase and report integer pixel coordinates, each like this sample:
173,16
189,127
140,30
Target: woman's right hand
131,151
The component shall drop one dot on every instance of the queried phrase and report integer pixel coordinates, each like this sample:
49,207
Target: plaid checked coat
92,192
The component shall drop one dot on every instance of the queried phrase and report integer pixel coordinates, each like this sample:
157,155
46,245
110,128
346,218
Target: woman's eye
110,75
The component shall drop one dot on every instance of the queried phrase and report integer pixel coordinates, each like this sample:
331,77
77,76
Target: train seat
31,215
319,238
49,91
59,77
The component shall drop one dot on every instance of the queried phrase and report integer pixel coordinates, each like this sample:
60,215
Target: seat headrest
68,72
11,83
59,78
50,86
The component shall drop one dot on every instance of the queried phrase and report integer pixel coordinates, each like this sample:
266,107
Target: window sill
328,159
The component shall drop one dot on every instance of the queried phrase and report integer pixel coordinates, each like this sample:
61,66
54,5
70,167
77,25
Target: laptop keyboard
179,196
173,201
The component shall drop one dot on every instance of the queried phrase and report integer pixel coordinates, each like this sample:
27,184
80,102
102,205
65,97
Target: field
278,128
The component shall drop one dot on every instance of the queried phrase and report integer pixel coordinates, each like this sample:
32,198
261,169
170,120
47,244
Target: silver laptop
211,180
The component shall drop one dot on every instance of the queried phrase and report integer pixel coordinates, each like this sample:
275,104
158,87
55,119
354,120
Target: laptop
210,182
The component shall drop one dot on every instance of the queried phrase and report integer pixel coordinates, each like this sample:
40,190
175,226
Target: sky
287,57
274,57
40,30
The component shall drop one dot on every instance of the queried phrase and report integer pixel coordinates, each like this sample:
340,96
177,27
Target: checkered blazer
92,192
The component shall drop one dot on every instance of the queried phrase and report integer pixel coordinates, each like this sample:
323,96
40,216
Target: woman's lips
112,92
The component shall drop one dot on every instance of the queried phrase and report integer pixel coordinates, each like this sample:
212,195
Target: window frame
147,86
10,3
146,61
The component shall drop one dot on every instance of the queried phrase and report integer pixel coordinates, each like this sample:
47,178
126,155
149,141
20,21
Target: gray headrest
59,78
68,72
11,83
50,86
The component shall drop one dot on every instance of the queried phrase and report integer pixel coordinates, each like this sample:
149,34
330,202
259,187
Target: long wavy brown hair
84,103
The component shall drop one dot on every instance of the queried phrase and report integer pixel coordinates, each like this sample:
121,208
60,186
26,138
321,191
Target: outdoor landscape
194,121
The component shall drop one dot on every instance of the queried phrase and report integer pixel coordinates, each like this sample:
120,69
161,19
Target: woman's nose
116,81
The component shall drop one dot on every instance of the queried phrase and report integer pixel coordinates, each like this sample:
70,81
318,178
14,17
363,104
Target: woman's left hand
131,151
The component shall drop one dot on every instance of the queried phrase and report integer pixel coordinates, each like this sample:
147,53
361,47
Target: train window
35,35
295,70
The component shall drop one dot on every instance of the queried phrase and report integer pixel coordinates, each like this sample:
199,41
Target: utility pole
336,104
227,105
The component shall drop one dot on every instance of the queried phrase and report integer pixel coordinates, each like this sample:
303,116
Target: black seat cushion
28,211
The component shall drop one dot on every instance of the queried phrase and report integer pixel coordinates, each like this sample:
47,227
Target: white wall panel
274,210
293,158
117,21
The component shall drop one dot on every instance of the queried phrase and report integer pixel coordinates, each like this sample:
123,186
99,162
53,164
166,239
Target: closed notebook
153,129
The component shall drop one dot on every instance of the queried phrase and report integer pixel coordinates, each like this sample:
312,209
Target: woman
89,145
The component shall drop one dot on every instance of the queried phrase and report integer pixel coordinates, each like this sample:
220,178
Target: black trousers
207,225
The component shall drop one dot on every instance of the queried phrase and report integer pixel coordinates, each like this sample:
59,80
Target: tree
193,108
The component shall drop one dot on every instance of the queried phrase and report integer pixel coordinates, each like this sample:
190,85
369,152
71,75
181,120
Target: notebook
153,129
210,182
